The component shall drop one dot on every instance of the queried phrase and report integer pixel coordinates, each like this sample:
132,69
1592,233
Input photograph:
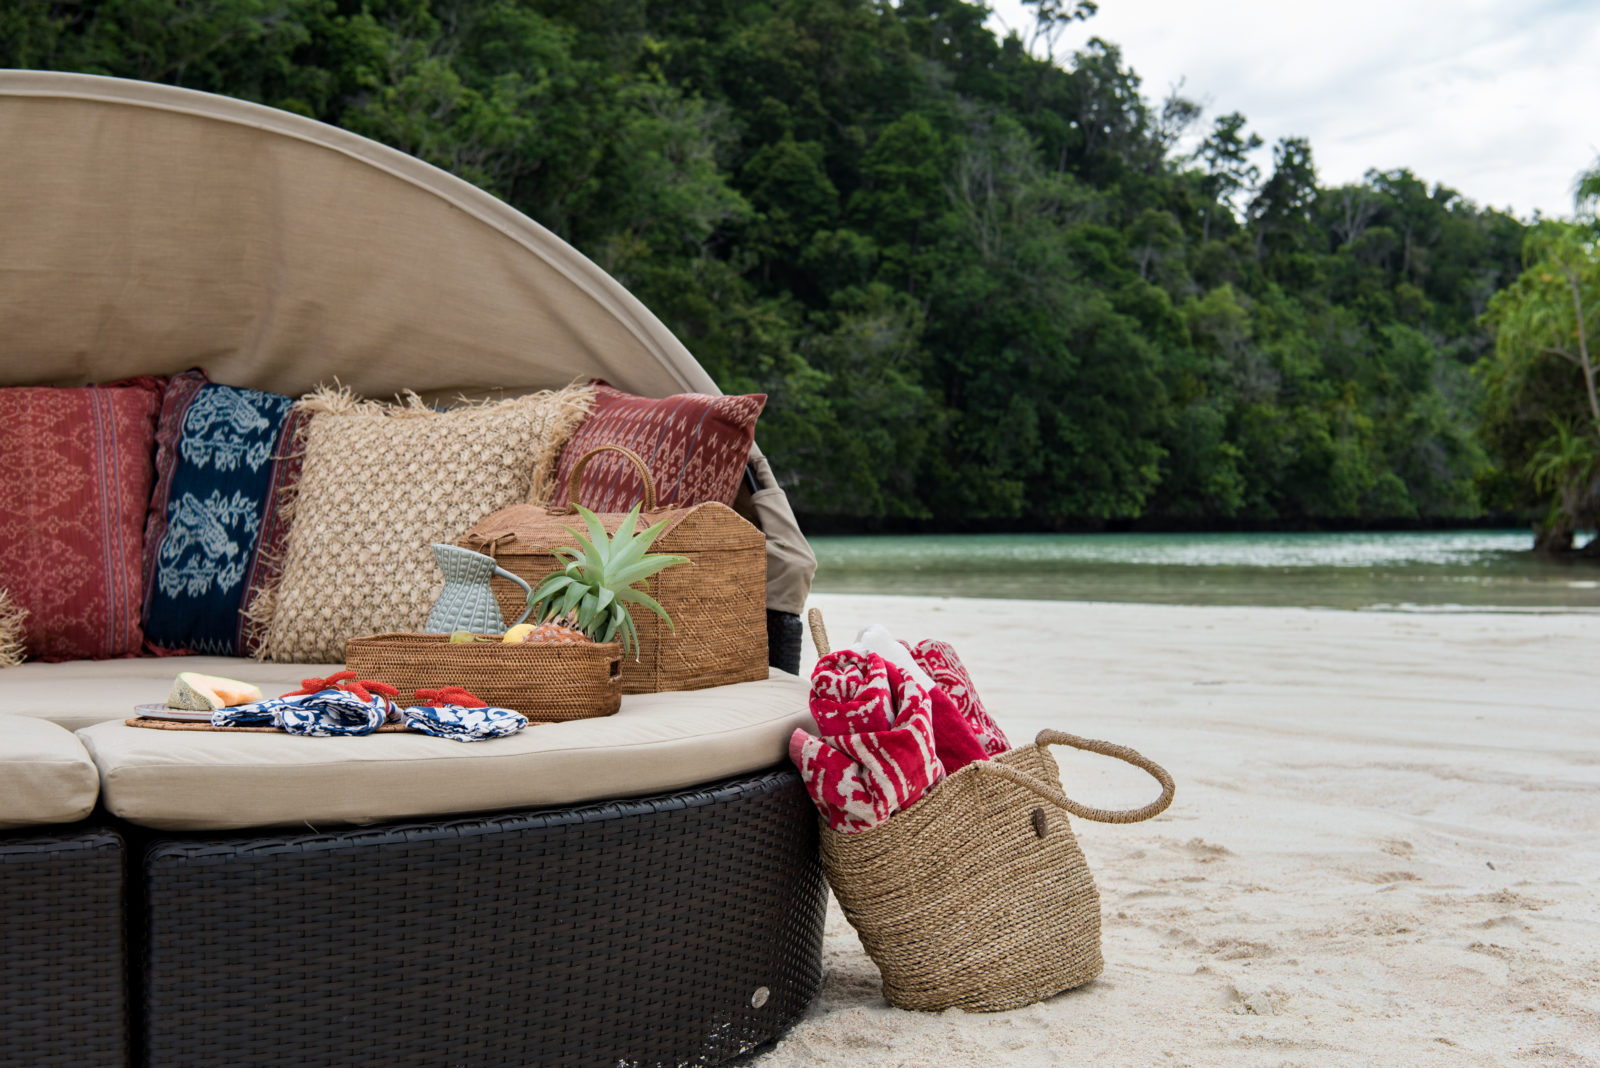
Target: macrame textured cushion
380,484
216,528
12,618
75,475
695,444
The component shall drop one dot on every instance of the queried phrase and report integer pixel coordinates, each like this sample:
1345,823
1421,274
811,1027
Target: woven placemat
188,725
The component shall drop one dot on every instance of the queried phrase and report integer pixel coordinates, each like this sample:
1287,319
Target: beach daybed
638,889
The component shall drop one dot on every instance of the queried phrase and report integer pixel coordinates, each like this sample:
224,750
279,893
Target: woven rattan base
678,929
63,983
783,640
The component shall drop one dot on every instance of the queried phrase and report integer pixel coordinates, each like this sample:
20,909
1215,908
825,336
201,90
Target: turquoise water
1437,570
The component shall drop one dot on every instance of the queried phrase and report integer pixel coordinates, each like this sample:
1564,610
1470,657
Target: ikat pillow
216,526
75,476
695,444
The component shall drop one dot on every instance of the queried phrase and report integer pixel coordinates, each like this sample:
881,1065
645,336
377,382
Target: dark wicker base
638,932
63,986
783,640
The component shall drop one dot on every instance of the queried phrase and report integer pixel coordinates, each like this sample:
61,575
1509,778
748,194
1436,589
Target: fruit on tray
593,591
556,630
561,631
205,693
518,633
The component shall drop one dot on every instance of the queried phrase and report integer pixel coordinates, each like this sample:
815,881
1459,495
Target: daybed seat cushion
198,780
80,693
46,776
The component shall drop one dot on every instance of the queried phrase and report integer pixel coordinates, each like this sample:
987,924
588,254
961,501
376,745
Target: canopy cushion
146,229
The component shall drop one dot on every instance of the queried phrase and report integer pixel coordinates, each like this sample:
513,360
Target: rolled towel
877,753
954,737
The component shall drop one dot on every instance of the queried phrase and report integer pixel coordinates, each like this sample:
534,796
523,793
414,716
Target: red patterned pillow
695,445
76,469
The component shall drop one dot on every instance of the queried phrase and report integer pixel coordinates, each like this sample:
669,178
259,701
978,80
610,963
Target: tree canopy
1541,402
977,285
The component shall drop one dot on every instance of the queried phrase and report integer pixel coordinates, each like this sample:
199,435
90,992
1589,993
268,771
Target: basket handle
1091,745
632,457
819,632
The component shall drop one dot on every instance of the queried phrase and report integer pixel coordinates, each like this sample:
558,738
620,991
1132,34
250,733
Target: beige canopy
146,229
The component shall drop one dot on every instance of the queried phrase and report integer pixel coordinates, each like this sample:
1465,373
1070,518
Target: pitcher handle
526,589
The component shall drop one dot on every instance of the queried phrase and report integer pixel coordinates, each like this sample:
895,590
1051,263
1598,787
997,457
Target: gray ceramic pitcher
467,601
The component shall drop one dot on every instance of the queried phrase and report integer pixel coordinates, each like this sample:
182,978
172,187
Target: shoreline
1384,847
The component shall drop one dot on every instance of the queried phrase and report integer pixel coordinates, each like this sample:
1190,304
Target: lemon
518,633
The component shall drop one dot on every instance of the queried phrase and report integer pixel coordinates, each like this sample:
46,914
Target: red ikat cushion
696,446
76,469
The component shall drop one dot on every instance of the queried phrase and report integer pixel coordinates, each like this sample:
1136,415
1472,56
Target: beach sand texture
1385,847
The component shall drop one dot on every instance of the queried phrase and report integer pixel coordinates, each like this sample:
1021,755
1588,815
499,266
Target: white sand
1385,847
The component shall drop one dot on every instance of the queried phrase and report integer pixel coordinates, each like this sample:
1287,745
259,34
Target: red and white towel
888,731
949,674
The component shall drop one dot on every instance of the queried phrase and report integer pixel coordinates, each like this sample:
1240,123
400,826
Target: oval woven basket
978,896
548,682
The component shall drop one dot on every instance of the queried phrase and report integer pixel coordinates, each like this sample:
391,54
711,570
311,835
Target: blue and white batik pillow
214,526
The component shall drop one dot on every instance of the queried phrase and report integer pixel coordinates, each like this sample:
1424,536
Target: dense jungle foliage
976,285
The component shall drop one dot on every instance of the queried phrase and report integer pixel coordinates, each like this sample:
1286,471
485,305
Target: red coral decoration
451,695
347,681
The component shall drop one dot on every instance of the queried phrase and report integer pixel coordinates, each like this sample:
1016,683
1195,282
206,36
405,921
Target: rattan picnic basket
549,682
978,896
717,601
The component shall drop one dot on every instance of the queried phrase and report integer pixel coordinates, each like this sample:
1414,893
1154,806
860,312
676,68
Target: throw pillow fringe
12,616
263,599
564,411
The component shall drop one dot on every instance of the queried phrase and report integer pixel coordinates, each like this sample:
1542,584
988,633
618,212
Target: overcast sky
1498,100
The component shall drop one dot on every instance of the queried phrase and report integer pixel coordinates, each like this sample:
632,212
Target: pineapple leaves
596,583
645,568
639,597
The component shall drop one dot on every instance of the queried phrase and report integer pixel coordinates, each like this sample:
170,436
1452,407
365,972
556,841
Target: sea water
1404,571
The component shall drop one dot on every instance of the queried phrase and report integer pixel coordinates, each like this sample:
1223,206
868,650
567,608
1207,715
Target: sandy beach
1385,847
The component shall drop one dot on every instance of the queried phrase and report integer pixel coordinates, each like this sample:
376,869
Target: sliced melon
202,693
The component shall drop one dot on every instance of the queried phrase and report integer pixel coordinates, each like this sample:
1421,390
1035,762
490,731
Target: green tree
1542,411
975,280
1225,154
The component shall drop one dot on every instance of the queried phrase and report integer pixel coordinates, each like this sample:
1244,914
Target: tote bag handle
1062,801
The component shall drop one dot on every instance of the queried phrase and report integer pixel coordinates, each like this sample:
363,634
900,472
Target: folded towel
324,714
877,754
949,674
462,723
954,737
350,708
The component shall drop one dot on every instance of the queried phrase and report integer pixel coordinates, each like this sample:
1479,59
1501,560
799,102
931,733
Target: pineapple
591,594
563,631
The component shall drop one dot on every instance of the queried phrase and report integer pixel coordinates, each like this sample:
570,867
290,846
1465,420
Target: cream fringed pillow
380,484
12,616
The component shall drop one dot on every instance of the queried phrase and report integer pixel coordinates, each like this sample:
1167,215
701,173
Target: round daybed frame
679,929
145,230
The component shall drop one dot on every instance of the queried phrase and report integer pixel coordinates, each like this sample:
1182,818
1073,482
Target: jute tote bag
978,896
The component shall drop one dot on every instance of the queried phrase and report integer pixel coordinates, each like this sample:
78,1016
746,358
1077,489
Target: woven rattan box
718,634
